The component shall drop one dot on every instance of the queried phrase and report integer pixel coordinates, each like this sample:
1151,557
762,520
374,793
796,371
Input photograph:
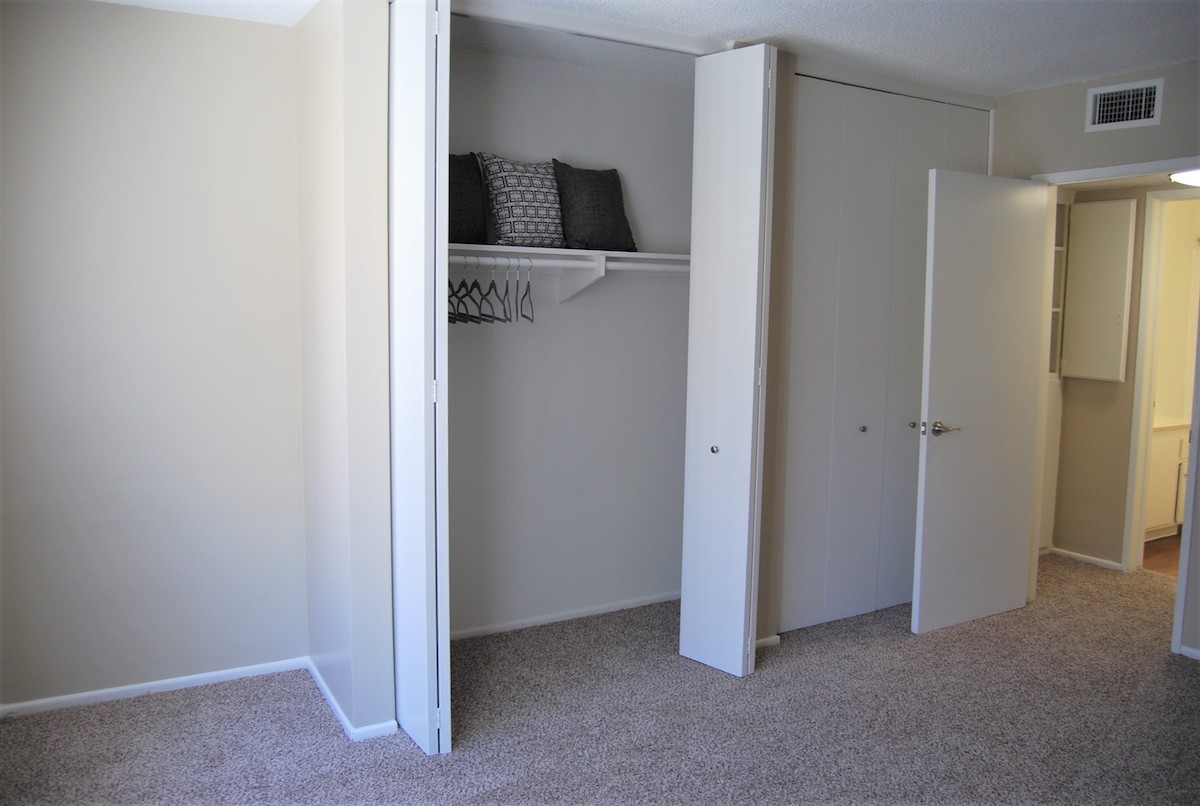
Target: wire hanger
528,295
491,298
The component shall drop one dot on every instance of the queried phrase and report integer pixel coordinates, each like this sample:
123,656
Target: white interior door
986,338
733,160
417,182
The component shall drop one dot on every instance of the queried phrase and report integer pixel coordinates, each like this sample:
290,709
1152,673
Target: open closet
539,468
566,435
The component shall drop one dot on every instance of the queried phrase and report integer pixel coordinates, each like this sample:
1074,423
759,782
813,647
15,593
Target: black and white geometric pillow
524,201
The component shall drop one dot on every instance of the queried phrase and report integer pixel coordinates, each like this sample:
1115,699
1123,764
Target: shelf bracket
575,281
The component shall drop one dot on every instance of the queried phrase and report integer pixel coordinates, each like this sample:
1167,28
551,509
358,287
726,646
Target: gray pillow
467,200
523,197
593,209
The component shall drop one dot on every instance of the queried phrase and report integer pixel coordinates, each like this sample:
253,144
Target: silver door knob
938,428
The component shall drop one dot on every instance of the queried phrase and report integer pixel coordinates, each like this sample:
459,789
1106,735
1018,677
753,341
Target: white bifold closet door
849,360
417,184
733,163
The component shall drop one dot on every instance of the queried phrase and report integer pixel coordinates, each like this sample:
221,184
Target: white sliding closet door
417,181
733,163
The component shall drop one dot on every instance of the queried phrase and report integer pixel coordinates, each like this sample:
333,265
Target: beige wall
152,456
1042,132
343,248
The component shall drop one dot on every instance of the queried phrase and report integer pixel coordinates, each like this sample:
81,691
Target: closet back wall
566,434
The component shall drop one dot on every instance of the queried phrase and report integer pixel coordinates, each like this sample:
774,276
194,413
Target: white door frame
1139,445
1143,395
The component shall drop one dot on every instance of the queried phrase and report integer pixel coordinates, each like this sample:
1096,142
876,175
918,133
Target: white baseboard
770,640
536,621
1087,558
354,734
151,687
1189,652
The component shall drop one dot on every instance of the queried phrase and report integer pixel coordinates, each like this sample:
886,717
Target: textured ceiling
981,47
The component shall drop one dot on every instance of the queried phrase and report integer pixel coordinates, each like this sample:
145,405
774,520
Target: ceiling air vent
1121,106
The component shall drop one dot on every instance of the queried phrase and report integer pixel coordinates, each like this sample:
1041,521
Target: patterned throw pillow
524,201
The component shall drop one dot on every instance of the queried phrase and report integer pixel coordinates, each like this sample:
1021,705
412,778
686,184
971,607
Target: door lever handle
938,428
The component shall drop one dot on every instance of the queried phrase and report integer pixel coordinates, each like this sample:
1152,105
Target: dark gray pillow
593,209
524,201
468,201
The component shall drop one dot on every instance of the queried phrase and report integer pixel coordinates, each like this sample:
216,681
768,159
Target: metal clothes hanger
492,297
508,307
463,297
528,295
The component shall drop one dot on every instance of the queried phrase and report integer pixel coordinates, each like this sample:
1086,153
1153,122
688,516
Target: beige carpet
1074,699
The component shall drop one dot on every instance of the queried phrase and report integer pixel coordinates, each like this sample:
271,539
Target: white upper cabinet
1099,280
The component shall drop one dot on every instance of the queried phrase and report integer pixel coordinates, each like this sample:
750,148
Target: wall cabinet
1098,287
847,342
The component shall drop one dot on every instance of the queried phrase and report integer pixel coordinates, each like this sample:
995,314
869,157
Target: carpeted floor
1075,699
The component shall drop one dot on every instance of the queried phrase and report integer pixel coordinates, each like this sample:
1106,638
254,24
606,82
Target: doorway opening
1163,420
1156,192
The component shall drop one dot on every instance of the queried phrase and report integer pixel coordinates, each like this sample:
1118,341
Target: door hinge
760,375
435,391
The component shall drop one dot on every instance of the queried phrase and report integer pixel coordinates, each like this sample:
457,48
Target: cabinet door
1162,482
1099,281
731,215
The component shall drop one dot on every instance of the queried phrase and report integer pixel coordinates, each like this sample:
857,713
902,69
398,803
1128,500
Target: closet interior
567,378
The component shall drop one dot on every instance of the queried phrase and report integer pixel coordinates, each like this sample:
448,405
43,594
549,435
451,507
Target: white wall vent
1121,106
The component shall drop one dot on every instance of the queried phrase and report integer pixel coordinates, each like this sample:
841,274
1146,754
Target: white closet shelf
576,269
